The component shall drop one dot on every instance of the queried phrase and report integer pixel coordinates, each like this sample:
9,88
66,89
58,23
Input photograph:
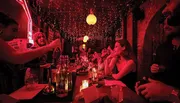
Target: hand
47,65
136,87
55,43
155,68
143,81
112,55
104,53
155,90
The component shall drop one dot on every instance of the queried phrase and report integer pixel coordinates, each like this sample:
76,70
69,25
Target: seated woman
39,41
104,54
121,63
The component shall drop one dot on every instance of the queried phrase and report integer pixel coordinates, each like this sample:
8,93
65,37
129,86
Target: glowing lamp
85,39
84,46
91,18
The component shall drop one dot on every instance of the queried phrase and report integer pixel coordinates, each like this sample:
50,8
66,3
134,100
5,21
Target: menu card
25,94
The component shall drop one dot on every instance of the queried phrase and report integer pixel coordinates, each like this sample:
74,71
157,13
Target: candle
66,84
85,84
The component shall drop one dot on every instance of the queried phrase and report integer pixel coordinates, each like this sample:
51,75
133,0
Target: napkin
25,94
114,82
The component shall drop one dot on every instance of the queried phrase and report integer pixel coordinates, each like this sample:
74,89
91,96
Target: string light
85,39
71,16
29,26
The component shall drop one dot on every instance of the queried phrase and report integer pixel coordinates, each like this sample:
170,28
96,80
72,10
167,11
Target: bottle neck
49,81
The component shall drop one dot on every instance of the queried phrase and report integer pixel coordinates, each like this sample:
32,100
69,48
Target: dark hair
128,52
111,44
168,1
6,20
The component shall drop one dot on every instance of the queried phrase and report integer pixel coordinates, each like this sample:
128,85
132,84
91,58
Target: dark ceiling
70,15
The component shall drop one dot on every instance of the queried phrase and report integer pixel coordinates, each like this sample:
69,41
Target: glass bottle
61,84
53,71
50,88
69,75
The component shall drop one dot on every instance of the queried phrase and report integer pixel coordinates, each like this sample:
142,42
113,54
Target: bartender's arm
8,54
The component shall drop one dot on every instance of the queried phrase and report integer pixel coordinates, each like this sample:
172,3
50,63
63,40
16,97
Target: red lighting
29,26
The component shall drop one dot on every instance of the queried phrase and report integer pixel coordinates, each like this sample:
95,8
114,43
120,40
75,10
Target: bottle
61,85
66,58
53,71
49,89
69,76
56,55
66,83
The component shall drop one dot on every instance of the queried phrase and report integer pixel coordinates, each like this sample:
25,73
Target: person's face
41,40
168,12
10,32
117,48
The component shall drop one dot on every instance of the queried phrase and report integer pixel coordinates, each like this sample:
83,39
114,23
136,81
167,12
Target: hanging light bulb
91,18
85,39
84,46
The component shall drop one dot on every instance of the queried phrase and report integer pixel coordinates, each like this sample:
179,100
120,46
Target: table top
129,96
25,94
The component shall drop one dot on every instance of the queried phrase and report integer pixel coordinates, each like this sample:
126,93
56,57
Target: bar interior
89,51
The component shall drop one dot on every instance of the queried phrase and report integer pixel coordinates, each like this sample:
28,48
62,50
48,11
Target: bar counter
129,96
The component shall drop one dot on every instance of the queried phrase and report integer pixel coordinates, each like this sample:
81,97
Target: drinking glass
61,84
31,79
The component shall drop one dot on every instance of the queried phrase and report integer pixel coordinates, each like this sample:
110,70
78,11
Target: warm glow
85,39
91,18
29,26
85,84
84,46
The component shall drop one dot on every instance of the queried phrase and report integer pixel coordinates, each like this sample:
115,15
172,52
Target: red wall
14,10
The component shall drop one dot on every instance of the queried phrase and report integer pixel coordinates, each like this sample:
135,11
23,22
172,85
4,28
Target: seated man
165,71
